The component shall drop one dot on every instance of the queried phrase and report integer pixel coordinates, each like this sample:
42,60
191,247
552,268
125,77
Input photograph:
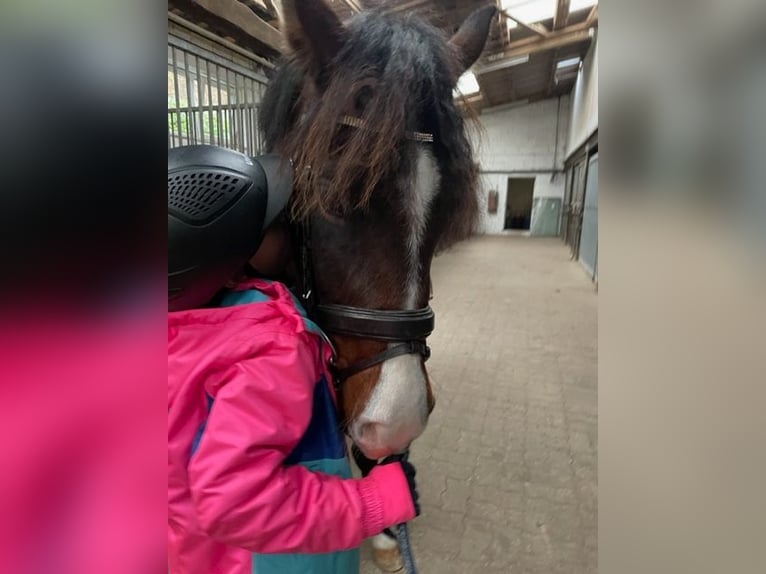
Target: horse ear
313,30
468,42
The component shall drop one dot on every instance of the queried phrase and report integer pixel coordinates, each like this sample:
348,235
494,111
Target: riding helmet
220,202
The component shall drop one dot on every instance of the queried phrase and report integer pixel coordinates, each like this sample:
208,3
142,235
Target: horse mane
396,73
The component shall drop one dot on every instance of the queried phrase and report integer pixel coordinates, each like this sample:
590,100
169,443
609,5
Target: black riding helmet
220,202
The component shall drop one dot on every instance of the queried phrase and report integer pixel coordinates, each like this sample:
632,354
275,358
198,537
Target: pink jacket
241,382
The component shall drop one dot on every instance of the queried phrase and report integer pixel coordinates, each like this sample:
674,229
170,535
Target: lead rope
403,537
403,532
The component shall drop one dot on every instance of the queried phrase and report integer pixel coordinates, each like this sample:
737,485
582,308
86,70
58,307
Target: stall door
589,235
574,222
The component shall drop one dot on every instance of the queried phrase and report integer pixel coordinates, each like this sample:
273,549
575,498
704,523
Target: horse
384,179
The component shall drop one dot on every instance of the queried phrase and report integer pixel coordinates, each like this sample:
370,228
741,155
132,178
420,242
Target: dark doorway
518,205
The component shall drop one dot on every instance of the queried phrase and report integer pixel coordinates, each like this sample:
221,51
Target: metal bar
250,97
227,112
233,111
218,106
175,93
210,100
226,109
189,116
243,115
171,127
230,112
261,140
258,134
225,43
248,116
215,58
240,112
200,99
241,109
249,100
237,112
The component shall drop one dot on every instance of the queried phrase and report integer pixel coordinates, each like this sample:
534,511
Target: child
259,479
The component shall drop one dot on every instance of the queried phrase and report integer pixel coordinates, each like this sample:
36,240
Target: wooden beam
354,5
527,46
245,20
262,8
562,14
538,29
258,4
409,5
175,21
592,16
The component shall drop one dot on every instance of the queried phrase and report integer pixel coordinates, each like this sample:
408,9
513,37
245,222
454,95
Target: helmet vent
199,195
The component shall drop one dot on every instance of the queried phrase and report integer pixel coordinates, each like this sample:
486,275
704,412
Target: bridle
406,330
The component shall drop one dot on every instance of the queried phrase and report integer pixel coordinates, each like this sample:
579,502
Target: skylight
529,11
575,5
467,84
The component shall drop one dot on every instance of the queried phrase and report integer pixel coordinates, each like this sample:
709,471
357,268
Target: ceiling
519,62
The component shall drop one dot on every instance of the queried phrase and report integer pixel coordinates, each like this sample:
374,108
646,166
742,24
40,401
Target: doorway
518,205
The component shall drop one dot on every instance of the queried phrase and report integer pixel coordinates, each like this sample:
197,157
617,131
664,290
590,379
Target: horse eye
336,213
362,99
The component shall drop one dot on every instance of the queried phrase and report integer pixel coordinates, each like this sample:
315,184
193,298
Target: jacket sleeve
243,493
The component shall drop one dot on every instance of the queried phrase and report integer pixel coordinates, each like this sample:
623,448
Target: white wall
521,141
584,118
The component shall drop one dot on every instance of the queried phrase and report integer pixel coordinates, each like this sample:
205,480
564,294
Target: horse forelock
394,73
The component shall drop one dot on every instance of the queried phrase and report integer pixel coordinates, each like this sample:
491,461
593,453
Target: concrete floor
507,466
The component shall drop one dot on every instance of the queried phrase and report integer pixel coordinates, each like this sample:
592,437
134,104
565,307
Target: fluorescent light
568,62
502,64
467,84
529,11
575,5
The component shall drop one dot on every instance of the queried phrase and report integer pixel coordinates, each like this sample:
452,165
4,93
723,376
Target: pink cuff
386,499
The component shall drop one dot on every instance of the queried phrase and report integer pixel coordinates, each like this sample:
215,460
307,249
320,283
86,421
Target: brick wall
521,141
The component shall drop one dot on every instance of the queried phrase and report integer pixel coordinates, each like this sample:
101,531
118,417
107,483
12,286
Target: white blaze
398,402
417,206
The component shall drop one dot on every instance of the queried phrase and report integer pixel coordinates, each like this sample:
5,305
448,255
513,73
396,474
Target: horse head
384,179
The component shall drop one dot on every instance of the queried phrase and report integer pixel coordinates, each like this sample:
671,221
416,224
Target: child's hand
367,465
409,472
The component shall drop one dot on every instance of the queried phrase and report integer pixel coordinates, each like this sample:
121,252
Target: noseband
408,329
